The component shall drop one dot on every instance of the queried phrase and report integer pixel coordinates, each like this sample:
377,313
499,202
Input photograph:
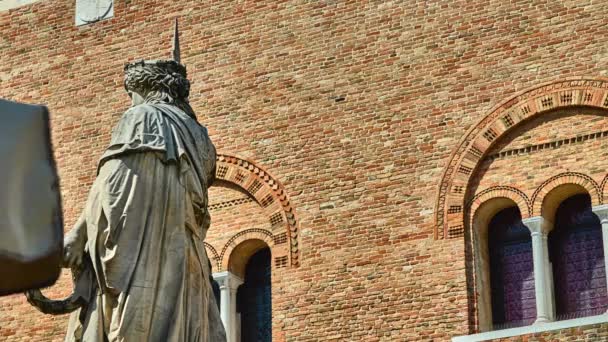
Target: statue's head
159,81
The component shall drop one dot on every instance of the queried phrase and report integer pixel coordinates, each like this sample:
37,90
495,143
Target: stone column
542,272
601,211
229,283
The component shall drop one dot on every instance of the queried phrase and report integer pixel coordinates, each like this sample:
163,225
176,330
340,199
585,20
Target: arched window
576,251
511,270
254,300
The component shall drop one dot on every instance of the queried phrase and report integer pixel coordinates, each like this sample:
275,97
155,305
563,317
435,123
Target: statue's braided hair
160,82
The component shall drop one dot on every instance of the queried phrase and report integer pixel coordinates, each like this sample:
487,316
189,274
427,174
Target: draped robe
146,273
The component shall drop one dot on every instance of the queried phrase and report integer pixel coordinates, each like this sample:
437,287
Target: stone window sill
532,329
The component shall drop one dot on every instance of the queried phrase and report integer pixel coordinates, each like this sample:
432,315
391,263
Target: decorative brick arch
604,188
269,194
213,256
581,91
240,237
576,178
516,195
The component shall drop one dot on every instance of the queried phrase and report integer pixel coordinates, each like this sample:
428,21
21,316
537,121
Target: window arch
246,288
269,194
577,257
511,270
254,299
503,118
486,238
501,165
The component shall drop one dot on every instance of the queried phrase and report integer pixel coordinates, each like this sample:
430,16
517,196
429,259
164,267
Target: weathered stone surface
9,4
91,11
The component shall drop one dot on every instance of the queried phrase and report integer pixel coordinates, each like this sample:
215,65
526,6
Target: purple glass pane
578,260
580,280
518,283
512,271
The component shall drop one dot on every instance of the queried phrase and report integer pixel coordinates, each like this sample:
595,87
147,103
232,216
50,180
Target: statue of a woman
142,273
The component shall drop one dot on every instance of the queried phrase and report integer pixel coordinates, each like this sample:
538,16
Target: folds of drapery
146,219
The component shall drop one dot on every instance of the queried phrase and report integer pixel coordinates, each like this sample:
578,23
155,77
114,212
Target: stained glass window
254,300
511,270
577,255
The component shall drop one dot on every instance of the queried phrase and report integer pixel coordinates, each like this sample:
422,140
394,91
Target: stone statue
140,268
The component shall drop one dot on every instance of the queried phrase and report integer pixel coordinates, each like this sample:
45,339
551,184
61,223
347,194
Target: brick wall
353,106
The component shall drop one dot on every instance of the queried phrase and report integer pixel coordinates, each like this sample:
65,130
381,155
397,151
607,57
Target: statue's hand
73,248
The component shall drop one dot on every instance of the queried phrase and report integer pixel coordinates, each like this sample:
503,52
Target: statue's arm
75,242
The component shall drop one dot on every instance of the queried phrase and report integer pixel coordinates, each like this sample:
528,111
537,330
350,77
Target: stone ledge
533,329
5,5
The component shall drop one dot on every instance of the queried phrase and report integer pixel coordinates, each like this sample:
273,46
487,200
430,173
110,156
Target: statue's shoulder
142,112
143,116
137,120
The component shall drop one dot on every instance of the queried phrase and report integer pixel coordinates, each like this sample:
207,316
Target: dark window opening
216,292
254,300
577,254
511,270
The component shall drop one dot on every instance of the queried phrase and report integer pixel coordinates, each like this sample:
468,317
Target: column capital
227,280
537,224
602,212
229,283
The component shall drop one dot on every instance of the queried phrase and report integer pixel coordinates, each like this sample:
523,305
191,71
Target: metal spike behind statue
176,52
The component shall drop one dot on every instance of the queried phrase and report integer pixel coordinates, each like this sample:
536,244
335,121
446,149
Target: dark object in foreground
31,225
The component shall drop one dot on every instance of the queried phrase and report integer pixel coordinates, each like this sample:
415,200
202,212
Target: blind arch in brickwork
531,103
212,254
604,188
574,178
516,195
269,194
243,236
